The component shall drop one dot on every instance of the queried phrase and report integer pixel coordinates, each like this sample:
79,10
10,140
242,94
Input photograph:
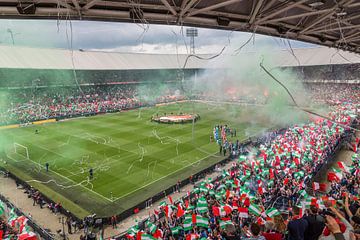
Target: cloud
111,36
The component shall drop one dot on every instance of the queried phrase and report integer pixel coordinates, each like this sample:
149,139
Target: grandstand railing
37,229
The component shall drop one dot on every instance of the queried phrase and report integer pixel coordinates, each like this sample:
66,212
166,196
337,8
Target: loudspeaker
223,21
26,8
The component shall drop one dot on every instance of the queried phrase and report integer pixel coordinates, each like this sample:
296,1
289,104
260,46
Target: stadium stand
244,202
270,192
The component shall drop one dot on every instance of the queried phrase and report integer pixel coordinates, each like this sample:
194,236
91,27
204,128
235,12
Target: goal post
21,150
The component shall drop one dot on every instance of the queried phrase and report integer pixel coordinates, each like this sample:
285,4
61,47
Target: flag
319,186
168,210
180,211
260,221
343,167
192,236
162,204
176,230
243,212
222,210
202,205
131,232
333,177
146,237
261,190
187,225
310,201
254,209
242,158
170,200
303,193
201,221
2,208
223,224
158,234
152,227
27,236
272,212
271,173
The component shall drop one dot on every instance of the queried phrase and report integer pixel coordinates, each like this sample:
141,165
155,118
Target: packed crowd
328,72
270,193
31,104
14,226
333,94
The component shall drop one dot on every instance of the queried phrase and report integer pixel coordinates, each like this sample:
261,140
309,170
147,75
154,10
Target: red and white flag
243,212
319,186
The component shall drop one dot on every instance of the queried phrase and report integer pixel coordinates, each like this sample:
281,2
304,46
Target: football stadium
179,119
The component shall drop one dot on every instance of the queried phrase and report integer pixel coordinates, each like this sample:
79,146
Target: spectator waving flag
223,224
272,212
152,227
243,212
319,186
255,209
176,230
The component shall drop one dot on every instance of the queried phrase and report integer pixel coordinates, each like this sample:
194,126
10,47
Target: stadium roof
325,22
39,58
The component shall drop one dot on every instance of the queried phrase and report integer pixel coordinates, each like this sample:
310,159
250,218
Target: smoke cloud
244,81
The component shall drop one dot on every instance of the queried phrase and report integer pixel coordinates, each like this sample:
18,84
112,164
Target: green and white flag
202,205
242,158
187,225
223,224
2,208
152,227
202,221
255,209
272,212
176,230
132,231
303,193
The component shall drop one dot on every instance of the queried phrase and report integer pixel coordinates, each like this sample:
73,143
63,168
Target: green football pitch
132,157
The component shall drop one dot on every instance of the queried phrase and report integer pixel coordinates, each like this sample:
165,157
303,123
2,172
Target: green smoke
243,78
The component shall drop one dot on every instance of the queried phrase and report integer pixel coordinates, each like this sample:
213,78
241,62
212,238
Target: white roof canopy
37,58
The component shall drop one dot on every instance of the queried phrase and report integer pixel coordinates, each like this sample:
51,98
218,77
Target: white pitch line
160,178
170,173
88,189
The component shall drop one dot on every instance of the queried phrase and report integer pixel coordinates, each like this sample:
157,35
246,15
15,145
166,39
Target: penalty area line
88,189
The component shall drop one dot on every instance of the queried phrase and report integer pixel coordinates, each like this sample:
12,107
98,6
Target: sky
130,37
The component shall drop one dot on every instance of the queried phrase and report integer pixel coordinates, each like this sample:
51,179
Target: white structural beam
271,15
168,6
306,14
186,7
212,7
90,4
256,11
325,16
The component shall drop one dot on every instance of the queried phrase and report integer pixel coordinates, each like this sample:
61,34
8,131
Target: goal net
21,150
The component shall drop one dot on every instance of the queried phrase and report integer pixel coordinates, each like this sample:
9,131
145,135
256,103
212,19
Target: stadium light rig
192,33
